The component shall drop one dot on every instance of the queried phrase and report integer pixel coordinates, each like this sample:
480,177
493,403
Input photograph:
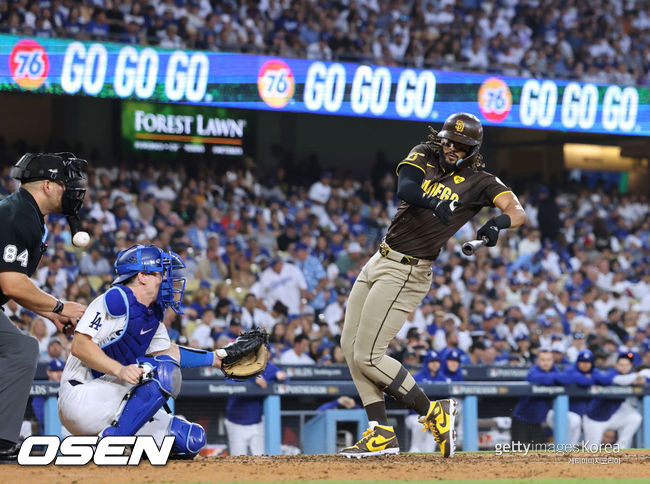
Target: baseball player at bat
442,186
123,367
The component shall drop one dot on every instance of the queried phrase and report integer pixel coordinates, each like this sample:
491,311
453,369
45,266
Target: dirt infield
330,467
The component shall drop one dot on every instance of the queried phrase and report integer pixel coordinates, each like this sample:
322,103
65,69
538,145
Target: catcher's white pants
243,437
420,441
89,408
575,425
626,421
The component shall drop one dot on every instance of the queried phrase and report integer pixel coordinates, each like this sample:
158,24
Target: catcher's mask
466,129
64,168
149,258
172,288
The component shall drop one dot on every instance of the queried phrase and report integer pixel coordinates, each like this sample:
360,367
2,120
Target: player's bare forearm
509,204
517,217
89,352
172,351
22,289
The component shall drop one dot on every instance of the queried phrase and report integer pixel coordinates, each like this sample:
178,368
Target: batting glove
443,209
491,229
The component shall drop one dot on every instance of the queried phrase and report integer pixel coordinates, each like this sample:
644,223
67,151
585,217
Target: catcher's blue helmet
138,258
149,258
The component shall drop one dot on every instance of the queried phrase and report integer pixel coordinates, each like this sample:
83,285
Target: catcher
123,367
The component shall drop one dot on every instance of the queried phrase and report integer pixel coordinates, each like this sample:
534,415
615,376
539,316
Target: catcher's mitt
247,356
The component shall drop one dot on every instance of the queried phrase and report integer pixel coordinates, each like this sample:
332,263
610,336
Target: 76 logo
29,64
275,83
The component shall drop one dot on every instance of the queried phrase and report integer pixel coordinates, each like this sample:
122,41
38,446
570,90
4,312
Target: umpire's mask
58,167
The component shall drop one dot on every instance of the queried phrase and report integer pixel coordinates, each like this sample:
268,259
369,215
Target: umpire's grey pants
18,359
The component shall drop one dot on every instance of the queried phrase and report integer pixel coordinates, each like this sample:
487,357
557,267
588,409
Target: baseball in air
81,239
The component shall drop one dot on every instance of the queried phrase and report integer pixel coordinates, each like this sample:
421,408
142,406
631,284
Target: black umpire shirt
23,237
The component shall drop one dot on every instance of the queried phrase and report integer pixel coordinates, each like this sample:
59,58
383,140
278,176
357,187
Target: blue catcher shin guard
190,437
161,381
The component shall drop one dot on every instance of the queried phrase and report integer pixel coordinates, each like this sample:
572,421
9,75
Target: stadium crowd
589,40
281,252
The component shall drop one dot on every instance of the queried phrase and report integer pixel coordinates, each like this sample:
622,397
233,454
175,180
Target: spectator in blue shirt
97,28
200,302
315,276
199,232
450,369
430,371
244,423
501,347
530,412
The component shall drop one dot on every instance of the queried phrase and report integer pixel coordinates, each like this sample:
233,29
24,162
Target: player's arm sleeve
409,186
193,358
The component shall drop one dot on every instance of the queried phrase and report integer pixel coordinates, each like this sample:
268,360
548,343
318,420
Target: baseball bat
470,247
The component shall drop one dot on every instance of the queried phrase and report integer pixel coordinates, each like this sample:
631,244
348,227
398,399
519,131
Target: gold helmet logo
460,126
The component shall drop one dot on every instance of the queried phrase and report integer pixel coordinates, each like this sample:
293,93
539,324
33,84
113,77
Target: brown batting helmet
464,128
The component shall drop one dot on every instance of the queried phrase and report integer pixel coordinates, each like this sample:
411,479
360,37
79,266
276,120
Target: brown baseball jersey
416,231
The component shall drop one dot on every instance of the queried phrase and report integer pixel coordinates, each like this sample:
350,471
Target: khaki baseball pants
383,295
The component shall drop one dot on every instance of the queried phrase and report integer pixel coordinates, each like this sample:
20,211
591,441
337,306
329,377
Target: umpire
50,183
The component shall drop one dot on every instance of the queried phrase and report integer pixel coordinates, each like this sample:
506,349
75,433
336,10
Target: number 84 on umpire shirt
23,238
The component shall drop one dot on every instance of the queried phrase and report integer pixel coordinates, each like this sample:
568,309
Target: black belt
393,255
74,383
